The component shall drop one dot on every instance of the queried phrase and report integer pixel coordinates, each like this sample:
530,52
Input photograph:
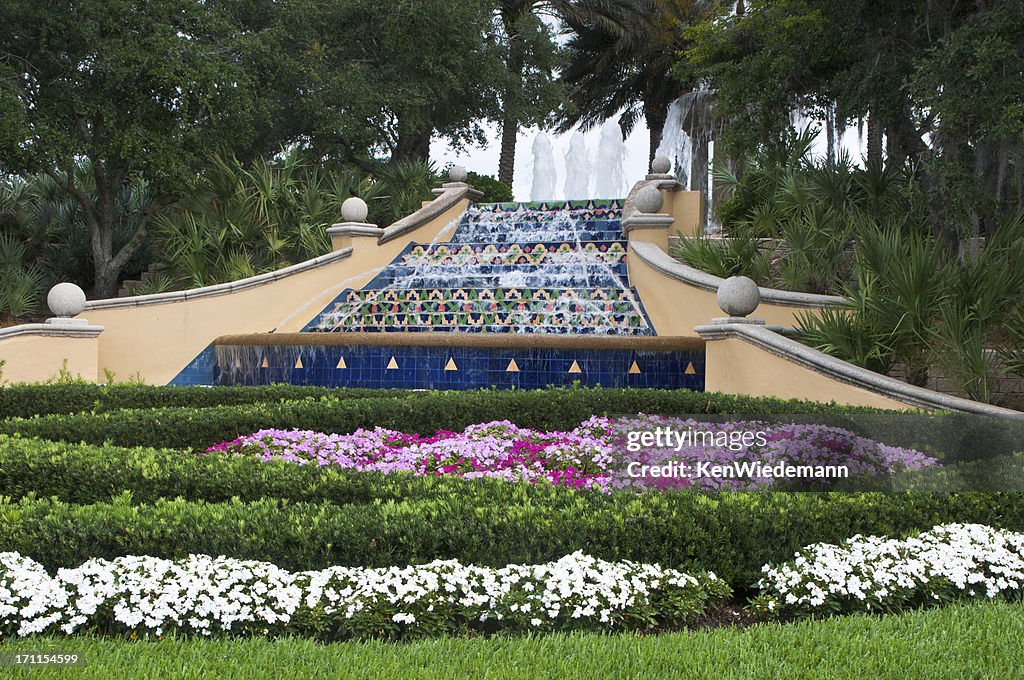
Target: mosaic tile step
555,313
493,322
498,230
603,252
392,295
548,329
552,206
502,276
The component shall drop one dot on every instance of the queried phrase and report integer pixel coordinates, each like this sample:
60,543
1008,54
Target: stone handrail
220,288
446,200
841,371
665,264
70,330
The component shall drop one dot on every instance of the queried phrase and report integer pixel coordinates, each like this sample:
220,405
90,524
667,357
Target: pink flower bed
591,456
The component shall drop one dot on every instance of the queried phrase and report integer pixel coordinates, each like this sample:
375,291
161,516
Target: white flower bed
206,595
874,574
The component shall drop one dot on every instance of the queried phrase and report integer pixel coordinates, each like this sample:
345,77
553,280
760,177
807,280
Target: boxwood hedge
422,412
25,401
731,534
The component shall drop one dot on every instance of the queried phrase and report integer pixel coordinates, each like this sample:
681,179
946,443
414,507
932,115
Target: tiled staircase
508,268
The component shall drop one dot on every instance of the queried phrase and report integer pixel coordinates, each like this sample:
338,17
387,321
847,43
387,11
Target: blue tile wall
199,371
423,367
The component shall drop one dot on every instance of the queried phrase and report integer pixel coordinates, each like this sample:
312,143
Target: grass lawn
971,640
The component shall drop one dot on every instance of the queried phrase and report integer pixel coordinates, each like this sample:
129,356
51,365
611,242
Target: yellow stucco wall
156,341
686,209
738,367
37,358
675,307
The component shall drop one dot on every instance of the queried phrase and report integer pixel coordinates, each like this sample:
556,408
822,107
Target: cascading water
544,174
577,168
686,140
676,144
609,176
528,270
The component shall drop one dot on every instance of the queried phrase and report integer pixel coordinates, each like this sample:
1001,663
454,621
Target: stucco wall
737,367
676,307
34,357
158,335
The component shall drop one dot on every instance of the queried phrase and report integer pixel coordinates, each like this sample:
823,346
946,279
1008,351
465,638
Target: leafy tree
121,90
914,70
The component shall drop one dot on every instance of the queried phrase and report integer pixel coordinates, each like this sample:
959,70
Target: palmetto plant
240,220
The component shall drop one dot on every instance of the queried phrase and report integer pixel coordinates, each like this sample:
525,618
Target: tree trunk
874,138
830,134
507,160
655,116
412,145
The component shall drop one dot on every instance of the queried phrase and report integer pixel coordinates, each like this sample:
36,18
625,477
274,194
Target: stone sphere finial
738,296
354,210
457,173
649,200
66,300
661,165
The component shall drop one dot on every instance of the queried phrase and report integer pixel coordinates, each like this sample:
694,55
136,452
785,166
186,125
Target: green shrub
82,473
494,190
27,400
732,534
422,413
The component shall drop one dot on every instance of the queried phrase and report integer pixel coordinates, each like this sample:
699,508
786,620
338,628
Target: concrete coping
355,229
509,341
641,220
220,288
844,372
665,264
53,330
474,194
452,193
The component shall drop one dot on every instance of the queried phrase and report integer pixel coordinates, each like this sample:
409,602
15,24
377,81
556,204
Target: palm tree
530,56
620,61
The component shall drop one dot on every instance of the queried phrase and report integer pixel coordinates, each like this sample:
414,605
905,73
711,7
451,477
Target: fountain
610,179
577,168
518,295
544,174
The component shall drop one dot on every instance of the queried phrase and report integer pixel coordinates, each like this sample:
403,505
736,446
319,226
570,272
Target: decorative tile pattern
425,367
555,267
493,310
199,371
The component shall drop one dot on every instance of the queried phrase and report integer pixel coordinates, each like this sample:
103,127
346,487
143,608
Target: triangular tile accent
392,363
341,363
690,370
451,366
513,367
575,368
298,363
634,369
265,364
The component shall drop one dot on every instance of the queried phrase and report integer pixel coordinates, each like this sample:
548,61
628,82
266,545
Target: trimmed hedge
731,534
83,473
422,413
25,401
